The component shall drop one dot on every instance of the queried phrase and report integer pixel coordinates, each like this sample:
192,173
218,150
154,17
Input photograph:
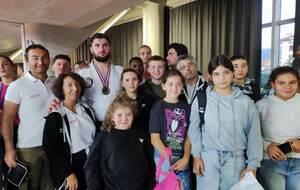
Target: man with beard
194,81
103,78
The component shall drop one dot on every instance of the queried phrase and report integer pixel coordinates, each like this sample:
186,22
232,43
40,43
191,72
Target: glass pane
265,54
267,11
288,9
286,44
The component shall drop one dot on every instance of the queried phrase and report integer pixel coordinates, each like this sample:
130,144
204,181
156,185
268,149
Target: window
278,23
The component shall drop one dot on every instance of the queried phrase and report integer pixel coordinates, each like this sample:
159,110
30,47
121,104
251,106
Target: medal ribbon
103,81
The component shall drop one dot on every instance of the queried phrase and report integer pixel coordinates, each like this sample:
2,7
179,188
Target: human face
188,69
156,69
173,87
222,77
285,86
145,54
136,65
172,57
71,89
240,69
100,49
61,66
38,61
122,118
130,82
6,68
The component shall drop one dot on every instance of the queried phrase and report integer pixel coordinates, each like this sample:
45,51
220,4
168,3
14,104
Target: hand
72,182
10,158
275,153
296,146
54,105
246,170
181,164
198,166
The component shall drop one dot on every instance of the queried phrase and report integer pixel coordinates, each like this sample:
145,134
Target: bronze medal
105,90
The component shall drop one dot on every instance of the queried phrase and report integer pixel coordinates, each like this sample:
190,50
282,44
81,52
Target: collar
33,79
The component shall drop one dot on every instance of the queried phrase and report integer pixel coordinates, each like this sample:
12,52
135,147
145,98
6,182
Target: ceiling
67,13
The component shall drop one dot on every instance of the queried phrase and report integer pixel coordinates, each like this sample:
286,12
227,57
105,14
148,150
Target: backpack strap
202,100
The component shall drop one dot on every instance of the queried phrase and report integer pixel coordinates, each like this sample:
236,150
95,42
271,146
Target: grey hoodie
231,124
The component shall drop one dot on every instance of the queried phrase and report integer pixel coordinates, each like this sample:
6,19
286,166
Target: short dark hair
62,56
156,58
236,57
219,60
34,46
57,87
283,70
171,73
99,36
136,59
126,70
7,59
180,49
79,62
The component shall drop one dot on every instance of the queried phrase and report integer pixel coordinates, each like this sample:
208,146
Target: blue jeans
222,169
184,176
279,175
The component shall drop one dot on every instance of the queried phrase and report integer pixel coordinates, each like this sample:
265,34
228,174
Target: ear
163,86
272,84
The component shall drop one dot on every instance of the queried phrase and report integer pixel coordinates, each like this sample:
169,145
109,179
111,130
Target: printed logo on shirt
89,82
143,105
73,121
176,126
35,95
141,140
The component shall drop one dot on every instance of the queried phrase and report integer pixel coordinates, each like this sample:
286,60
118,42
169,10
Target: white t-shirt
82,128
93,94
33,97
280,120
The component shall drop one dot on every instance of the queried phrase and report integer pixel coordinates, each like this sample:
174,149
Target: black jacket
57,148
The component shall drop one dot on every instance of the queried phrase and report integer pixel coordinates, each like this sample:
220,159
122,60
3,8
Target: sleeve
55,149
92,165
254,139
13,93
154,120
194,130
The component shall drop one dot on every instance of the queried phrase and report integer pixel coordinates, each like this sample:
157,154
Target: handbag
18,174
170,181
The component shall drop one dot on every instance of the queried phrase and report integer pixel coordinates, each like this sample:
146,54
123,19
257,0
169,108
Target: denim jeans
184,176
281,175
222,169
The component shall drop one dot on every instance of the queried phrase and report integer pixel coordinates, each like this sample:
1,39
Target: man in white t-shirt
103,78
29,97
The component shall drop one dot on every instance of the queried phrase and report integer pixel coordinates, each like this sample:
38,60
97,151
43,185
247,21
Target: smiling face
122,118
285,86
222,77
71,89
130,82
38,61
156,69
100,49
6,68
240,69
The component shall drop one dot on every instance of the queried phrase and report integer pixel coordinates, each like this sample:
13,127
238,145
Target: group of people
106,127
